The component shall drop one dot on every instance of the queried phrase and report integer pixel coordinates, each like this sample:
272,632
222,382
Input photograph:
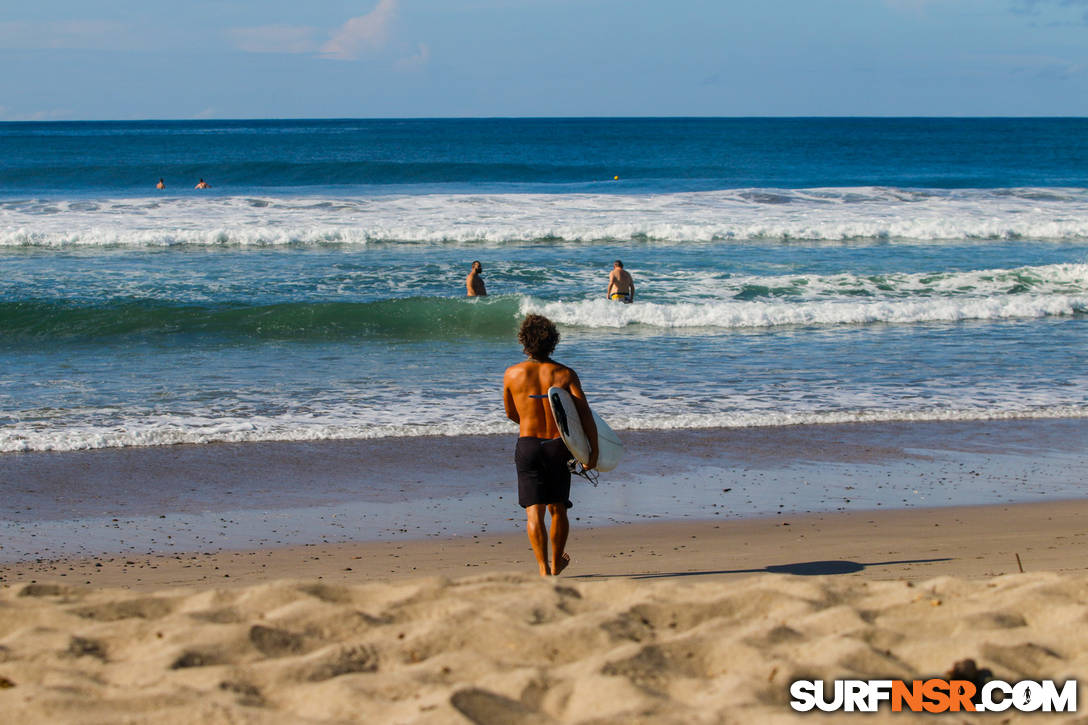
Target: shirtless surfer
620,285
202,185
161,185
540,454
474,282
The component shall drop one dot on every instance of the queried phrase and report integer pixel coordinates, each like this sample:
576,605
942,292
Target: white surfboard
570,429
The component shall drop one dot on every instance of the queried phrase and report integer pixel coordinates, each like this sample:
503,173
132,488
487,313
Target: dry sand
513,648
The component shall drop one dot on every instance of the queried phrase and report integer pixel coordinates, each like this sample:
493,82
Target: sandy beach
696,613
509,648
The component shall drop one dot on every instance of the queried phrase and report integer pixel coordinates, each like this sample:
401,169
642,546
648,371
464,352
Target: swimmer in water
620,285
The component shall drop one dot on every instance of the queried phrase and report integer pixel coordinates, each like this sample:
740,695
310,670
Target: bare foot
562,564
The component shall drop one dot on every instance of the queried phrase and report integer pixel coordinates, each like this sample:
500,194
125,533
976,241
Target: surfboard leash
590,474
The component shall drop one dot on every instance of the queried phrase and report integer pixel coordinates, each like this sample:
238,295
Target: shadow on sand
803,568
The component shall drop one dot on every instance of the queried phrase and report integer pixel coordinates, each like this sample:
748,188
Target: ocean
788,272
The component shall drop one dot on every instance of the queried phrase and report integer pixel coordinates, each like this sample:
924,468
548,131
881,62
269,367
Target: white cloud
276,39
356,37
415,61
361,34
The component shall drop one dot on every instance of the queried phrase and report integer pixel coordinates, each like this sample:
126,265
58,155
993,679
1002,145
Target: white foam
242,430
758,314
775,419
874,214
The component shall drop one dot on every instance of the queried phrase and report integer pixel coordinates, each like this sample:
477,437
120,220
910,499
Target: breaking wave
861,215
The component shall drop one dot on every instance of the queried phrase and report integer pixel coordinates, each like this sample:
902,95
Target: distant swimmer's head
538,336
618,264
477,267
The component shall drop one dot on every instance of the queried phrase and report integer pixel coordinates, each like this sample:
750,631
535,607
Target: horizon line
242,119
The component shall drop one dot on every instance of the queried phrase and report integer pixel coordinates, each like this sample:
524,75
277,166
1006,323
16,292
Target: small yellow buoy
615,178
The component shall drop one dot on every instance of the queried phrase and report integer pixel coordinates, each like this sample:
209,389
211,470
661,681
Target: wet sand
253,496
967,542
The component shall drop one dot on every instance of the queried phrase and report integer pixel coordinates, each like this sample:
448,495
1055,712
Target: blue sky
69,59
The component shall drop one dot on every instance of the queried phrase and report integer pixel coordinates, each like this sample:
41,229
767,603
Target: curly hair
538,336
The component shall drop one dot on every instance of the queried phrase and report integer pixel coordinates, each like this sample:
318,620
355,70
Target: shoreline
146,501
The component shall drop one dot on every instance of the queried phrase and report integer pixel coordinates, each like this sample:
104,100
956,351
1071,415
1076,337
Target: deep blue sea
788,271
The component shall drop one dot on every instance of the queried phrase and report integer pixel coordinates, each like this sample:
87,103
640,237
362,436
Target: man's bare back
533,414
620,284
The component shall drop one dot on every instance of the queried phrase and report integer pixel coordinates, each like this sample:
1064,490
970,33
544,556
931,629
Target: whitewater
862,214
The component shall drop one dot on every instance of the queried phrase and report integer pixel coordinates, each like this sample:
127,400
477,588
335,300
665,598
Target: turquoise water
788,272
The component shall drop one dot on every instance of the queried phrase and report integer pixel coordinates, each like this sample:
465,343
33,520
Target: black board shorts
543,476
